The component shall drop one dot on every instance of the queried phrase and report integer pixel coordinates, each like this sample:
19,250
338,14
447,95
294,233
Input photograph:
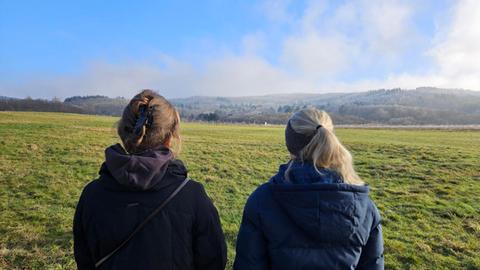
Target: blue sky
233,48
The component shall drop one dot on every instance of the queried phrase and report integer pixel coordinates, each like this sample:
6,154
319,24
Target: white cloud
236,75
316,52
354,36
388,25
254,43
311,15
276,10
384,32
246,75
458,52
316,57
455,53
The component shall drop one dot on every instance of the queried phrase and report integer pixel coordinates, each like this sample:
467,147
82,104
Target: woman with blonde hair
315,213
143,212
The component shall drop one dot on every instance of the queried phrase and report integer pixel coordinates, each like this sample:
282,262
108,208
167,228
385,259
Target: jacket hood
321,205
304,173
140,171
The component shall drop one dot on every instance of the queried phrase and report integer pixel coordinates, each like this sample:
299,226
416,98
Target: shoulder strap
144,222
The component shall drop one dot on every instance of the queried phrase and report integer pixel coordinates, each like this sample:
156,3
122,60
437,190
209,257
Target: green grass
426,184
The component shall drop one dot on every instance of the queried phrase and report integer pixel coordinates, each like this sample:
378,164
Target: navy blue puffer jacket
311,221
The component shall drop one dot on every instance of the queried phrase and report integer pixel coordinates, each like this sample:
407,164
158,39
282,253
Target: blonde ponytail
324,149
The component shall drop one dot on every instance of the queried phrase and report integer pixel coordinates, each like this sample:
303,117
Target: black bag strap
144,222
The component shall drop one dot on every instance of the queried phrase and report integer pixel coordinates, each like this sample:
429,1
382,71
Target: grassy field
425,183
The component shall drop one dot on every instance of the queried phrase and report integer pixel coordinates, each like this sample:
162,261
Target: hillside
421,106
98,104
396,107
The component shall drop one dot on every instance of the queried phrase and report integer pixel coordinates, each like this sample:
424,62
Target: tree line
423,106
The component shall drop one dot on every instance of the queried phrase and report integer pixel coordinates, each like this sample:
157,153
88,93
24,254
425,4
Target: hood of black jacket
141,171
320,204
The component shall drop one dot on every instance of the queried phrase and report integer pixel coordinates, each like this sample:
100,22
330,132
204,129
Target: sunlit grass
426,183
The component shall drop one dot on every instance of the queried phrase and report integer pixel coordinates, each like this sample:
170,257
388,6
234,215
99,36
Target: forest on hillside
421,106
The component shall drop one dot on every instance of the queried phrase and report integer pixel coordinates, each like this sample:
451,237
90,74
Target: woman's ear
167,142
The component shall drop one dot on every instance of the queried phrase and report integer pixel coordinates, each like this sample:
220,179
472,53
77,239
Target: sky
235,48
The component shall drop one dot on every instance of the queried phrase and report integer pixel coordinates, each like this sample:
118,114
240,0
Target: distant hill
37,105
98,104
421,106
394,107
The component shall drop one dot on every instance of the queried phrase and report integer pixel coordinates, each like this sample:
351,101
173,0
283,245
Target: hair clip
142,119
150,111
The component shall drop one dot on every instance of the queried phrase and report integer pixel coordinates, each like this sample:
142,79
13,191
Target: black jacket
311,221
186,234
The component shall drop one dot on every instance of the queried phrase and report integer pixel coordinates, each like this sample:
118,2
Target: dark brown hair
164,125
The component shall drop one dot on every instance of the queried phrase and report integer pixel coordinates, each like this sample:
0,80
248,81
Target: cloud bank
356,46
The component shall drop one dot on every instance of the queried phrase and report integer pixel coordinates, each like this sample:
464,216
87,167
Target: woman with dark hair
315,213
143,212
